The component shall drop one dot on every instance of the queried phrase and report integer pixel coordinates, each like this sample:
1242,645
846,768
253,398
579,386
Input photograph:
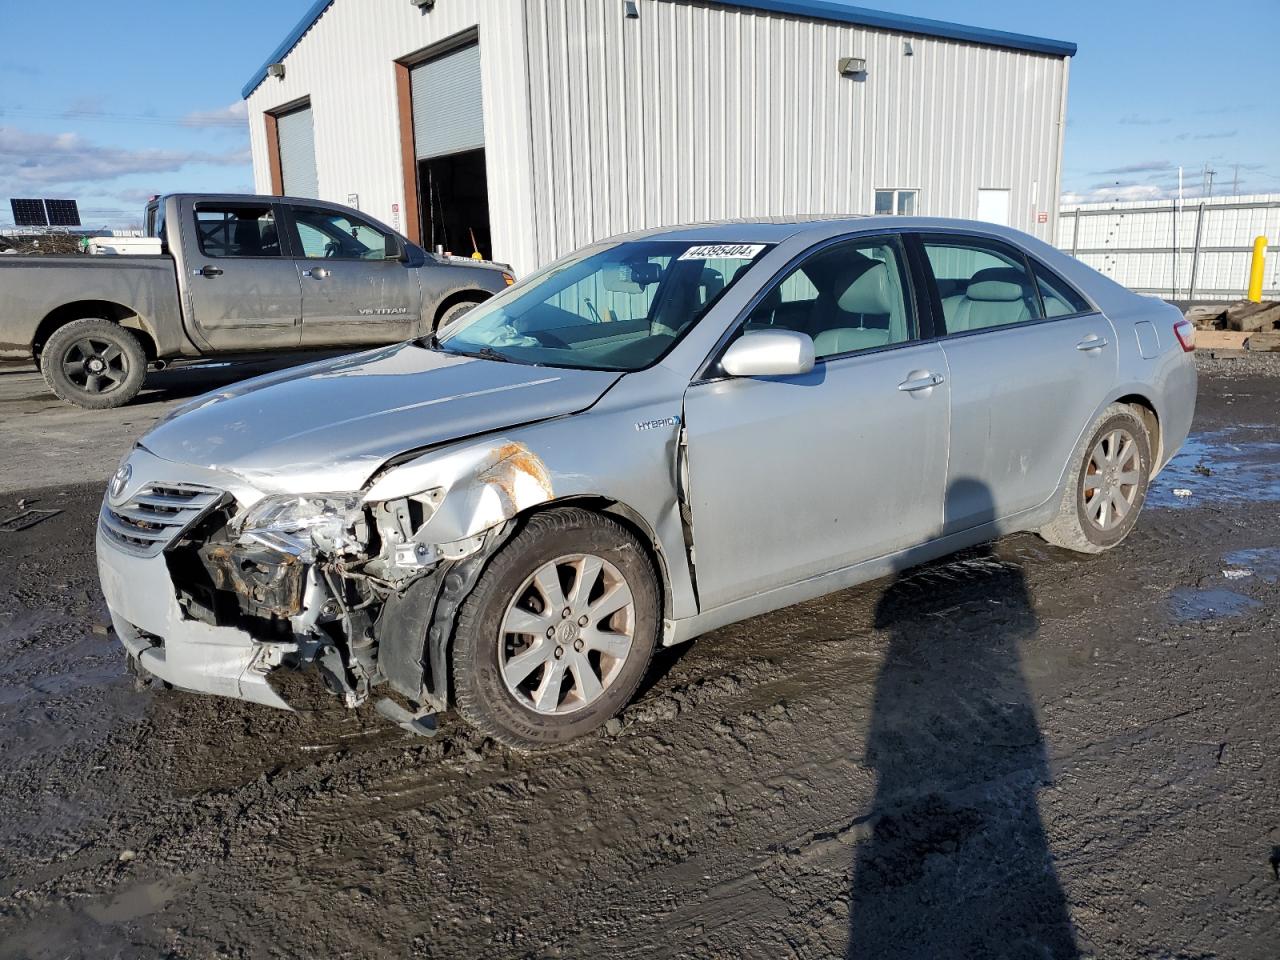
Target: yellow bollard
1255,269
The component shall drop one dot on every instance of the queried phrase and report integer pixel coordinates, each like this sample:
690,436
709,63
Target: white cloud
234,115
1131,191
30,162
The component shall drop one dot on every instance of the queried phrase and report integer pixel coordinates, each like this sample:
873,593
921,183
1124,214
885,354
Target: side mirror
769,353
396,250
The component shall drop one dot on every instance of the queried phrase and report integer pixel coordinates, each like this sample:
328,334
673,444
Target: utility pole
1235,182
1209,174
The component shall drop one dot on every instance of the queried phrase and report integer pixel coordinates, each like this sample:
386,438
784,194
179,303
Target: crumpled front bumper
187,653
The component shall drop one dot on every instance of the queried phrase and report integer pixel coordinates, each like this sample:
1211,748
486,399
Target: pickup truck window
327,234
237,231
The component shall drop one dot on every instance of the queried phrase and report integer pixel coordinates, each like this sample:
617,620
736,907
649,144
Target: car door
791,477
1029,362
242,293
355,289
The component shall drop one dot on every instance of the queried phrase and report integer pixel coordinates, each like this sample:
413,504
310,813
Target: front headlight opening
327,519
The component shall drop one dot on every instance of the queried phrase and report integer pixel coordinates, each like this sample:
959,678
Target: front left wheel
558,633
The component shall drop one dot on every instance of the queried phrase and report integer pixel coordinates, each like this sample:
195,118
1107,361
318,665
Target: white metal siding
297,154
696,112
448,106
1135,244
596,124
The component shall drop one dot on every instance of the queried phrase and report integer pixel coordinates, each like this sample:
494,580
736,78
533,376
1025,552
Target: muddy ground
1017,752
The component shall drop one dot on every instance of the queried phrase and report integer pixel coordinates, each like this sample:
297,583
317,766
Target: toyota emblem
119,480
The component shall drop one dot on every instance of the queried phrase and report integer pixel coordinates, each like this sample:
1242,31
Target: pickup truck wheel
94,364
455,311
1112,469
558,632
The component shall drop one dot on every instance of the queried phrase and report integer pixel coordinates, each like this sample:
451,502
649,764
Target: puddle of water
1188,603
136,902
1233,465
1263,563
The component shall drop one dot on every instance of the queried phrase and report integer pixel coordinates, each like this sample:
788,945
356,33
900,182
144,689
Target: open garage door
448,139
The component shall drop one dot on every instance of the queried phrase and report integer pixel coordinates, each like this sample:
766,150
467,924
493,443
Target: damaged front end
365,585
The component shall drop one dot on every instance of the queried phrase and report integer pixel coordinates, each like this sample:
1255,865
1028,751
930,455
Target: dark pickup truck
236,275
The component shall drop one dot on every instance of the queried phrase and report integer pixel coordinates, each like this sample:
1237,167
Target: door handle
208,270
920,381
319,273
1092,342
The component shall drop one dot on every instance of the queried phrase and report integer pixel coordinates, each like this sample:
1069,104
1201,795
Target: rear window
1059,297
237,231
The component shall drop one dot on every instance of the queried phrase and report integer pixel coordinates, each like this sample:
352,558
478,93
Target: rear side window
238,231
1060,299
982,283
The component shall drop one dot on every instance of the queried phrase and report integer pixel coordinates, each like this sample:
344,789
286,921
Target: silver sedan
659,435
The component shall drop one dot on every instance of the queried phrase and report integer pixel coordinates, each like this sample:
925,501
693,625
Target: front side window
850,296
238,231
620,308
982,283
330,235
896,203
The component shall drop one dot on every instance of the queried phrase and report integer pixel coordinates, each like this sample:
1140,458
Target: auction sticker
723,251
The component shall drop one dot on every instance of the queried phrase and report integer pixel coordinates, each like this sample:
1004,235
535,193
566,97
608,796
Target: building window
899,203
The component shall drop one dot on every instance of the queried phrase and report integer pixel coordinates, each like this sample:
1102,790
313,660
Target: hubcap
1111,479
95,365
566,634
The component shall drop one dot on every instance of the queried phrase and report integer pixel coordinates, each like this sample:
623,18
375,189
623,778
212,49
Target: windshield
620,308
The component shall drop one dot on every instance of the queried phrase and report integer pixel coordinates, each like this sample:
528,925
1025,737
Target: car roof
777,229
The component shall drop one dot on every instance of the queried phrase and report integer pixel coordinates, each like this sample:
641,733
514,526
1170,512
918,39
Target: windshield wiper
484,353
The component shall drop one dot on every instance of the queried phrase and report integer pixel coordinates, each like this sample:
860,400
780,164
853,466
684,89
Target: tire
1089,525
537,710
454,311
95,364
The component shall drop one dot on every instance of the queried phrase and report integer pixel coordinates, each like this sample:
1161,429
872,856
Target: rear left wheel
1100,506
94,364
558,632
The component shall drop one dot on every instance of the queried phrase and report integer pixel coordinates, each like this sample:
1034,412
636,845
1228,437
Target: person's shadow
956,863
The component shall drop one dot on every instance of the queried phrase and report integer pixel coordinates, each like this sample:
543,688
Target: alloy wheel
566,634
1112,479
95,365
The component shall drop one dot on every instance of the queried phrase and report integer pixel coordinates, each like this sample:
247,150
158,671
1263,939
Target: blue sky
110,103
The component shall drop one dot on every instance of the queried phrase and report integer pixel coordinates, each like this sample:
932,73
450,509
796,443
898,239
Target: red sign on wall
1042,217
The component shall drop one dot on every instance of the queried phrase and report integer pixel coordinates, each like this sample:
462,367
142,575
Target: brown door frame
408,155
273,154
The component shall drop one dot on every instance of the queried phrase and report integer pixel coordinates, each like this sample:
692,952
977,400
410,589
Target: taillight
508,279
1185,331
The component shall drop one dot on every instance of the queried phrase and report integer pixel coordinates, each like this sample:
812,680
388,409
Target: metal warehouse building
540,125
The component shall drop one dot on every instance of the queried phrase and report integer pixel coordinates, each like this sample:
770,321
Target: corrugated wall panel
1136,243
696,112
597,124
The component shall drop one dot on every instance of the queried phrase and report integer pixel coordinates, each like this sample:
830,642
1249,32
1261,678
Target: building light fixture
852,66
275,70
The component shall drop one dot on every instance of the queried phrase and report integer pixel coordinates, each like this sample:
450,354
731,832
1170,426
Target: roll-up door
448,112
297,154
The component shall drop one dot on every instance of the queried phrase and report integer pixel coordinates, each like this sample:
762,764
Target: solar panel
28,213
62,213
